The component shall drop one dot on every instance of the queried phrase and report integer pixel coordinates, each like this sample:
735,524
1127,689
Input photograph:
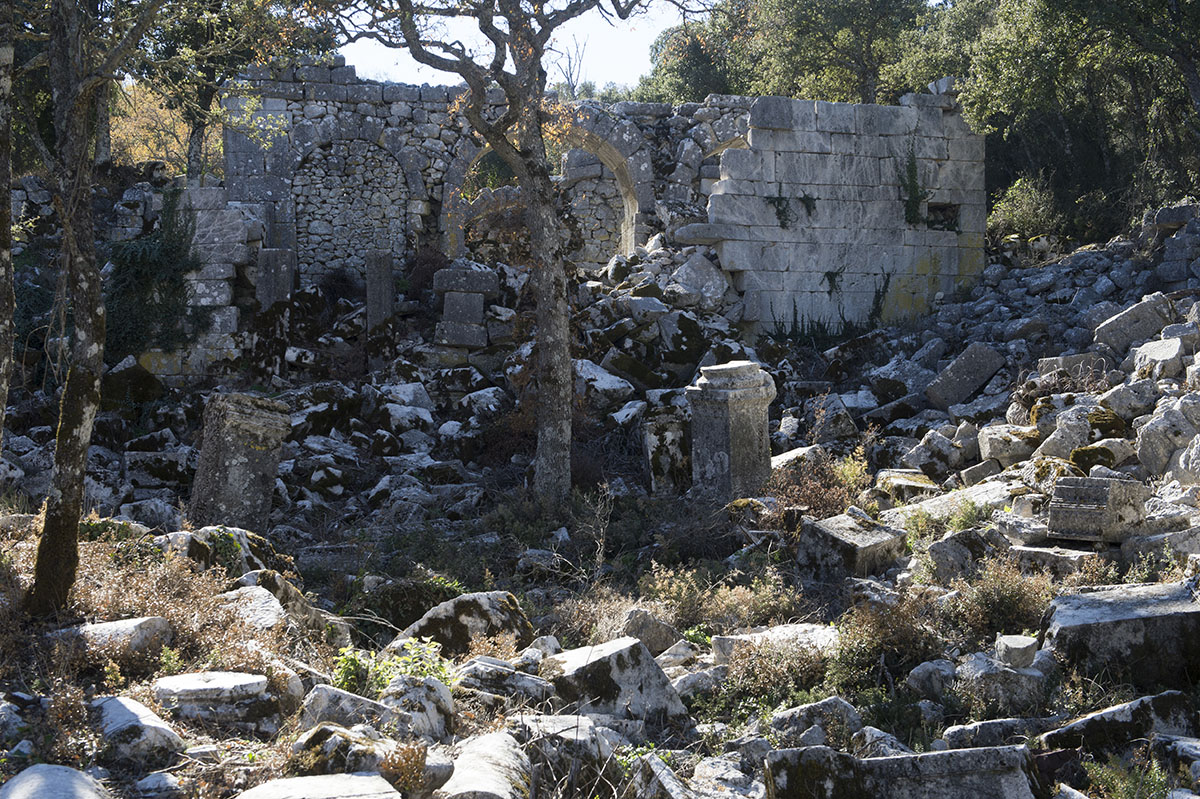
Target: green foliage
368,673
698,58
912,193
1026,209
1162,566
169,661
146,294
830,49
1142,778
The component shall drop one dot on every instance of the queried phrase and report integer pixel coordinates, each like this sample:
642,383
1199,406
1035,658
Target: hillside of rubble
972,570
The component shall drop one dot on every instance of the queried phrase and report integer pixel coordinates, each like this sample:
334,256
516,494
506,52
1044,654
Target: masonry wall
811,219
803,201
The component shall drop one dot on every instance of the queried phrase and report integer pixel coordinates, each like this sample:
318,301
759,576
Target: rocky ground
972,572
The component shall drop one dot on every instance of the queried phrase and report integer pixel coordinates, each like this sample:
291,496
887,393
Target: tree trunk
1191,78
552,351
58,555
195,150
7,301
103,155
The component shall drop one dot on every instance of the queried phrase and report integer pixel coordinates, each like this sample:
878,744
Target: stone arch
350,196
618,143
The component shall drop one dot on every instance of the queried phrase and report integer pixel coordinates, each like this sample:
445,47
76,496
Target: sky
613,53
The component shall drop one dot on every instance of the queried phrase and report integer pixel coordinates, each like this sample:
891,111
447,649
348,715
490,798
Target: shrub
1001,599
368,673
879,644
1027,209
693,598
821,486
1141,778
763,677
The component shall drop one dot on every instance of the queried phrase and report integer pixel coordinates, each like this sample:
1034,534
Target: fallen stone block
221,697
326,703
1096,509
134,732
1008,443
60,782
619,678
1150,633
968,373
1138,322
1122,727
821,637
850,543
818,772
456,622
492,766
328,786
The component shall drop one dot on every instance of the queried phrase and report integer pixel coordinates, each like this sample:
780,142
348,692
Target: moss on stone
1084,458
1107,423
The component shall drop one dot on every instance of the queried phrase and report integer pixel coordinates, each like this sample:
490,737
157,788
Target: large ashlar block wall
803,201
811,218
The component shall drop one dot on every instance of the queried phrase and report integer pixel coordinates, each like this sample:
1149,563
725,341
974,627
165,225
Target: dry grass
1000,599
694,598
820,486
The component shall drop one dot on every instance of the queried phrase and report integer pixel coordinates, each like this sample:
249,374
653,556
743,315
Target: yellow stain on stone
157,362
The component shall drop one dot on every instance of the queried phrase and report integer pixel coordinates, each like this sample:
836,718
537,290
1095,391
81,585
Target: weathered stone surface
455,622
850,543
326,703
427,702
655,633
134,732
1007,444
52,782
1152,633
1005,690
818,772
331,786
491,766
931,679
1136,323
498,677
1096,509
222,697
1120,728
968,373
1016,651
731,449
123,640
827,714
821,637
618,678
235,481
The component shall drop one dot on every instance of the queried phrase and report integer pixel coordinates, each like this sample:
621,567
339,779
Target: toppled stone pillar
243,438
731,450
276,271
381,288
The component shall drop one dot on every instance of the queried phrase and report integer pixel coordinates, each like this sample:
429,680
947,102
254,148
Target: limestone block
1096,509
1115,730
748,165
134,732
327,786
1158,359
220,697
1016,651
1007,690
492,765
42,781
1138,322
968,373
122,640
655,633
456,622
458,334
822,773
209,292
884,120
619,678
826,713
467,280
235,480
427,702
821,637
731,455
1008,444
1152,631
463,307
495,676
326,703
851,543
835,117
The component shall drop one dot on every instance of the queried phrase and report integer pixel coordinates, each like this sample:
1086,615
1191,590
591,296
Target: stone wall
804,201
812,219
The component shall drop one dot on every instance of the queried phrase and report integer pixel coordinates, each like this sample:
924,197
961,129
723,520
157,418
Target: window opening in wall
942,216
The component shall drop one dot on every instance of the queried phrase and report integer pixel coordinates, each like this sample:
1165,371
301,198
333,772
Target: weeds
1141,778
878,645
1001,599
819,486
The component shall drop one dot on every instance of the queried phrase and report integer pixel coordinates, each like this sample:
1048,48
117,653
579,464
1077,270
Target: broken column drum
731,451
243,439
